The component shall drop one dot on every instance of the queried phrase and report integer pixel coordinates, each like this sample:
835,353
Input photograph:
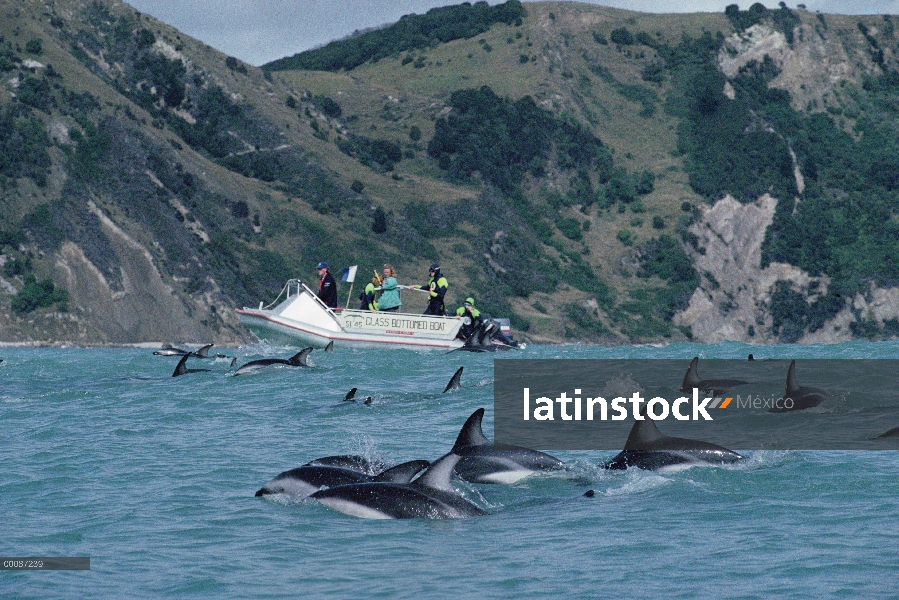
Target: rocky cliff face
733,301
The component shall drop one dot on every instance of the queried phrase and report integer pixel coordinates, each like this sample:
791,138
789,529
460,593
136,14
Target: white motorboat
301,318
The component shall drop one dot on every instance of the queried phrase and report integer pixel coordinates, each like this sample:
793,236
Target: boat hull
287,332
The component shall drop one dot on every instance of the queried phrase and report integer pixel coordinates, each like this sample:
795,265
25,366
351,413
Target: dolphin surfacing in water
715,386
894,432
169,350
455,381
181,368
354,462
297,360
650,449
798,397
431,496
483,462
304,481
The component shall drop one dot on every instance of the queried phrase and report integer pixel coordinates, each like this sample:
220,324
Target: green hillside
558,159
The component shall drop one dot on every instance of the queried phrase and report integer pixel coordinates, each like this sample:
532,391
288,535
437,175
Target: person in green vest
471,319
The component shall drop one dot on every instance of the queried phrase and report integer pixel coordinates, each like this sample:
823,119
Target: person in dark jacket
327,287
471,319
437,286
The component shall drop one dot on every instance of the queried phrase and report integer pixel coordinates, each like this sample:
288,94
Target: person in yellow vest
369,300
437,286
471,319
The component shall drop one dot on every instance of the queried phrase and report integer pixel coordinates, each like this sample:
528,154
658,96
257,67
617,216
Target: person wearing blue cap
327,287
437,286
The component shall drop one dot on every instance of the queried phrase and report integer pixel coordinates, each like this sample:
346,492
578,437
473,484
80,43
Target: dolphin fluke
798,397
715,386
455,381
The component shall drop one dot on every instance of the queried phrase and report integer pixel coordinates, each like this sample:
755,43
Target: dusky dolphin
304,481
431,496
894,432
182,369
650,449
487,338
297,360
802,396
169,350
354,462
715,386
455,381
483,462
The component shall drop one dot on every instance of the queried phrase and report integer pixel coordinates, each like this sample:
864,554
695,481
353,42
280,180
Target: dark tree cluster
503,139
412,32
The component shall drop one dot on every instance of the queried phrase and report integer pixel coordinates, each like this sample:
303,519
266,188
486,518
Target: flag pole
349,295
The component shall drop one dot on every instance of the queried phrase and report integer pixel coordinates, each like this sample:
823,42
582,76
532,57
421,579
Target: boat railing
284,289
291,288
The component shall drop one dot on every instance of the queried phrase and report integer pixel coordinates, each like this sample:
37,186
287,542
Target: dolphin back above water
169,350
894,432
715,386
354,462
181,368
431,496
802,396
297,360
483,462
650,449
303,481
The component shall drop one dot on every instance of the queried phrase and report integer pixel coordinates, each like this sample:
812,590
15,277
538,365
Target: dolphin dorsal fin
438,475
204,351
299,359
402,473
181,369
455,381
792,386
472,434
330,346
691,379
643,433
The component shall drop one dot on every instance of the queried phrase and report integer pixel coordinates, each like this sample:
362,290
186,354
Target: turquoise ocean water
103,454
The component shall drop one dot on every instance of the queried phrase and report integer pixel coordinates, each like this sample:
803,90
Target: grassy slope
554,38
